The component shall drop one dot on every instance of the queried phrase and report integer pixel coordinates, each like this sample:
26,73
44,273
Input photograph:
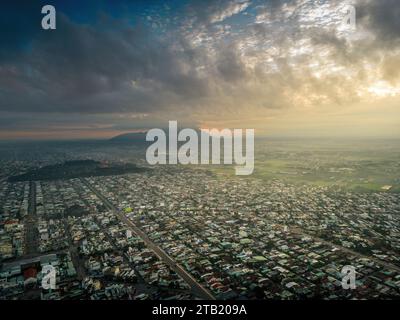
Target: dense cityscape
190,158
178,232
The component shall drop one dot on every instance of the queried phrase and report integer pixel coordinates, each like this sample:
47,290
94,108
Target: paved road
73,250
27,258
31,231
196,287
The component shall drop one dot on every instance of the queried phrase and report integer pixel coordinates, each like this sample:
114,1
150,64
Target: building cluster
14,200
246,239
111,261
239,238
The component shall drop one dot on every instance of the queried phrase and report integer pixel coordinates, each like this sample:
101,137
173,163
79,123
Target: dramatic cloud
230,9
204,63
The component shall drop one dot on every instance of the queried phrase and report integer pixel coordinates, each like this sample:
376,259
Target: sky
281,67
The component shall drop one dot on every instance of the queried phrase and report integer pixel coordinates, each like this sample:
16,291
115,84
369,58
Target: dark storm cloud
17,27
108,67
216,58
382,18
112,66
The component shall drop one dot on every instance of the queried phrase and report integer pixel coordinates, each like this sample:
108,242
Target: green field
352,165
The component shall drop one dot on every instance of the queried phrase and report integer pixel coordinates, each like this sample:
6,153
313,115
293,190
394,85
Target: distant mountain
132,137
139,138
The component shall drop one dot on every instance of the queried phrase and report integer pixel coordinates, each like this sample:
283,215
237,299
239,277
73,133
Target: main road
197,288
30,222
